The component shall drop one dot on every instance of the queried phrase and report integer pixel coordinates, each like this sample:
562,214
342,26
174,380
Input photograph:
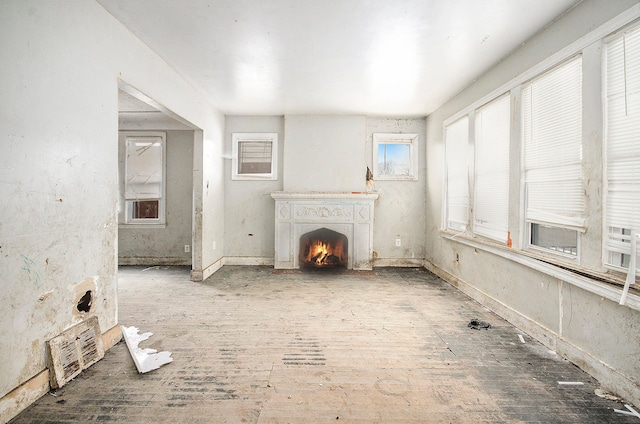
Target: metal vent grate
74,350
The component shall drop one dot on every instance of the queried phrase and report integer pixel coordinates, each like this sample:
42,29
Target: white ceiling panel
373,57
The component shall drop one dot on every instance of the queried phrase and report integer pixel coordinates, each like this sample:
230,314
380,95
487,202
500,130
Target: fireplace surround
350,214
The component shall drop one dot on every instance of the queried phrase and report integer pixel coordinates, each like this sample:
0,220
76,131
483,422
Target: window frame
129,220
448,207
529,221
480,228
410,140
236,139
547,250
589,275
616,240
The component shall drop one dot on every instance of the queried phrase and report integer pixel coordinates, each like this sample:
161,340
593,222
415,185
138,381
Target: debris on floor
73,351
145,359
606,395
631,411
477,324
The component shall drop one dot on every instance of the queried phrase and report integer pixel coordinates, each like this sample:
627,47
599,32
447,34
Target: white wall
582,322
59,166
152,245
324,153
399,211
249,208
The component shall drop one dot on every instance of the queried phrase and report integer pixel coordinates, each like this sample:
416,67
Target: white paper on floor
145,359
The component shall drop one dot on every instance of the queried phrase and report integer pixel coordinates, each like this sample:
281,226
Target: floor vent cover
74,350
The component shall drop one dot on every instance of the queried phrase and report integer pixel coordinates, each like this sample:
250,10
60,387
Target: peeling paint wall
59,169
596,333
163,246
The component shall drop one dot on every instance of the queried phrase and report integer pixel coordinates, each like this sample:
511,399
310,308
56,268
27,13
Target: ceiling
394,58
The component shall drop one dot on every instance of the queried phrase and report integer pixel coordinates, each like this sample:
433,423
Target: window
491,204
144,178
254,156
622,148
395,156
457,178
552,142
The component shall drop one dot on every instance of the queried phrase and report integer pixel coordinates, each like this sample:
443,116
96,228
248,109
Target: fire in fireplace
323,248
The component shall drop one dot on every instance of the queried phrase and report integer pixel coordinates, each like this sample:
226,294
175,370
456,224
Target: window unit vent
73,351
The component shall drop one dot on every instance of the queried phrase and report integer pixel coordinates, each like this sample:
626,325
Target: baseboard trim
111,337
608,377
24,395
203,274
248,260
397,262
33,389
153,261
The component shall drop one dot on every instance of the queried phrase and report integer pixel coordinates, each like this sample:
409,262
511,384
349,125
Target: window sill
579,277
253,178
138,225
395,178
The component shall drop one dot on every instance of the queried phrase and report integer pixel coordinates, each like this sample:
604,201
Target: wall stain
30,268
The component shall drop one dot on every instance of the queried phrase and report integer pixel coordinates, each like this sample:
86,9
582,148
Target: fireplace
343,220
323,248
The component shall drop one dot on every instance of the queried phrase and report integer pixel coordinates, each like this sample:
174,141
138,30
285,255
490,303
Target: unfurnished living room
292,211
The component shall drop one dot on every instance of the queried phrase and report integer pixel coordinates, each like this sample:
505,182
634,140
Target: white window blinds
491,205
622,216
254,156
456,148
143,169
552,131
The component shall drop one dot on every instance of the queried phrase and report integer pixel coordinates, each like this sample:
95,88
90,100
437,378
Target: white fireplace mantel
297,213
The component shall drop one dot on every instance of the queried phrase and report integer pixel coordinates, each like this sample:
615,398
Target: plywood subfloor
251,345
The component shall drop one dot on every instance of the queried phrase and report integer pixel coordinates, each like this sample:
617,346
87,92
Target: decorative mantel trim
297,213
320,195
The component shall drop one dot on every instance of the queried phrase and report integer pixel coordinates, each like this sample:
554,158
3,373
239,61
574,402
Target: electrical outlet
214,245
398,242
187,248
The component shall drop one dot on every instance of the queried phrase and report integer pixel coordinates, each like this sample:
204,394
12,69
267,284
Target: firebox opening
323,248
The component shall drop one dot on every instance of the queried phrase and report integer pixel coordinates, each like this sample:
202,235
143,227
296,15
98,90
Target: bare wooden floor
251,345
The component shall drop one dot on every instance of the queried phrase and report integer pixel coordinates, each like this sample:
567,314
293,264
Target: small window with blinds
144,182
552,142
254,156
457,175
491,181
622,148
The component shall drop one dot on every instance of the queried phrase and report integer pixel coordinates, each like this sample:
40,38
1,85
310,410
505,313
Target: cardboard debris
145,359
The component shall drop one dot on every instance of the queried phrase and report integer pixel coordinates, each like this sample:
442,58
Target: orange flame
323,253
